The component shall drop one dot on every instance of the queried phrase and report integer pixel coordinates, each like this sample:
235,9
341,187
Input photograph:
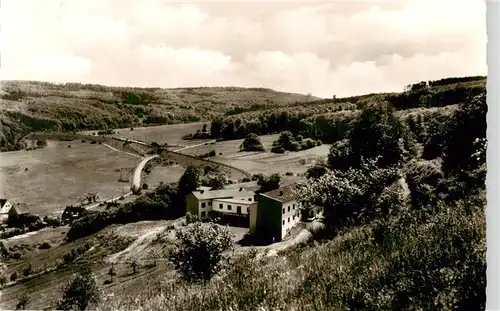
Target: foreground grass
393,264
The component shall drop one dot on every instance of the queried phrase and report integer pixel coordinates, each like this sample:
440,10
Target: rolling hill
39,106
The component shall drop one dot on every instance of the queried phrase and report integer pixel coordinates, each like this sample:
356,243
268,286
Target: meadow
51,178
228,152
162,134
165,174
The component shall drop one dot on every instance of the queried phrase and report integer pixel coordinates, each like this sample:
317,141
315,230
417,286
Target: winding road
136,180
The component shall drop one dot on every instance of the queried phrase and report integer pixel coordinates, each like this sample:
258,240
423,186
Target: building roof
203,188
234,201
21,208
249,186
2,202
224,193
283,194
3,208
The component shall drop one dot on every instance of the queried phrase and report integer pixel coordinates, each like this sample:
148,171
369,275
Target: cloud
323,48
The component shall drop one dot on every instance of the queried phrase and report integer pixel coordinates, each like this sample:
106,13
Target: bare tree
23,301
91,197
133,265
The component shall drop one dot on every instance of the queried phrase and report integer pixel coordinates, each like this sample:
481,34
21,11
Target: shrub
15,255
80,292
28,270
133,265
41,143
278,149
199,254
317,170
268,184
215,180
145,186
252,143
191,218
44,245
23,301
13,277
310,143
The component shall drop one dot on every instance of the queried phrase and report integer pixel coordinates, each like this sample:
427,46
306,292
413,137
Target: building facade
275,213
5,207
209,203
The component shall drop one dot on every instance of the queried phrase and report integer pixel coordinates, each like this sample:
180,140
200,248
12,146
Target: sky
324,48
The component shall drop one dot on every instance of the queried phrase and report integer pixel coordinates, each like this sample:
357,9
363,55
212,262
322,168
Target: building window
250,199
210,203
293,217
229,207
202,214
283,210
283,221
221,206
294,206
288,208
248,209
203,205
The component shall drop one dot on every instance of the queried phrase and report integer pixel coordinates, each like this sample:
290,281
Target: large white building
208,203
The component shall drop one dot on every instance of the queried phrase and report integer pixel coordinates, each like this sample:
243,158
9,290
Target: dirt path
272,250
137,247
197,145
113,148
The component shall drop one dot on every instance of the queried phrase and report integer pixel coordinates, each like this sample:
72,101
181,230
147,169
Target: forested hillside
40,106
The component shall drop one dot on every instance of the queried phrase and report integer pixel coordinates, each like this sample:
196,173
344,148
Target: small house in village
212,203
7,209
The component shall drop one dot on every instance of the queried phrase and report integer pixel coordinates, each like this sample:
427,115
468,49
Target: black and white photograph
244,155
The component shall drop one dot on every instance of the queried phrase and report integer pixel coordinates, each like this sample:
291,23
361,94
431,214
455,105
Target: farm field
269,163
230,147
171,134
51,178
262,162
166,174
54,236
